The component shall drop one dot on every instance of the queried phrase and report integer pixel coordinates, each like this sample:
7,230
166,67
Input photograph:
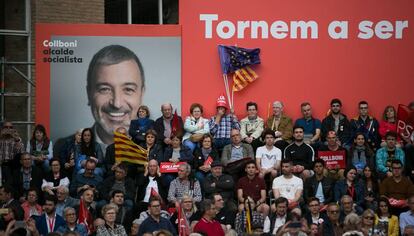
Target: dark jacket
36,180
370,129
341,189
199,160
142,186
105,189
311,186
156,152
224,186
185,154
308,217
369,155
159,128
41,224
344,131
138,129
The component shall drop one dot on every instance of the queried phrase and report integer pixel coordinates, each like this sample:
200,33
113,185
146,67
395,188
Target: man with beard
301,154
115,85
164,125
49,221
337,122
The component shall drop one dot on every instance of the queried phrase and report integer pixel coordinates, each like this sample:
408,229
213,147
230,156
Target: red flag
175,125
183,226
405,121
154,193
85,217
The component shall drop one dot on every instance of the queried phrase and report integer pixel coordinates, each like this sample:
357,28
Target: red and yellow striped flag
243,77
128,151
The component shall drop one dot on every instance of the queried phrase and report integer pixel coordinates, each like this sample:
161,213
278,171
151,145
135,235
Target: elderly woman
203,157
195,126
141,125
54,178
109,212
367,222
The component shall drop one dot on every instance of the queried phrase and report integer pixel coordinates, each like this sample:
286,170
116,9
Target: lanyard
51,223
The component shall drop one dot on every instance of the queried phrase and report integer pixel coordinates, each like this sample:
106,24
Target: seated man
222,123
288,185
318,185
278,218
252,186
252,126
337,122
233,154
314,214
43,222
155,222
347,207
26,177
332,144
86,180
396,187
367,125
124,215
218,182
121,182
281,125
163,125
311,126
386,154
332,226
182,184
301,154
64,200
224,215
268,157
207,224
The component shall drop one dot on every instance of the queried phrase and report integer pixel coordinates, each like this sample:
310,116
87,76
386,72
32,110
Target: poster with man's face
99,80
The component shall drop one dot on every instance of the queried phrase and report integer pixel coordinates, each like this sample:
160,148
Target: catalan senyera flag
128,151
236,60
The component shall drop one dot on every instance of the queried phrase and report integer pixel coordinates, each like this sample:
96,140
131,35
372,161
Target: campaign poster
333,159
74,91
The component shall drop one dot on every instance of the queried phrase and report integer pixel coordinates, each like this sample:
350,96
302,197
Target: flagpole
226,86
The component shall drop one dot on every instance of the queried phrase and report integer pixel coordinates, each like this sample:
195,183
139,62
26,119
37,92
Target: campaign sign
333,159
169,167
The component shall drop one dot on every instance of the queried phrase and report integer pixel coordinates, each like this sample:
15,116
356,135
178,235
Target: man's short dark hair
362,103
8,190
391,134
286,160
336,100
251,162
304,104
298,127
251,104
115,192
111,55
396,162
311,199
281,200
268,132
153,199
123,167
51,198
320,161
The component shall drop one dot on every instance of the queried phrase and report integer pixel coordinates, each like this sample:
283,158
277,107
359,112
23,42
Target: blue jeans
190,145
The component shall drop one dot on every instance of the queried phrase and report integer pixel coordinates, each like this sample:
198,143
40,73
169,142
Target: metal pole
129,9
160,12
2,89
29,67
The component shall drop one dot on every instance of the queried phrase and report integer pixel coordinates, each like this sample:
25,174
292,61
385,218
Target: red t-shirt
211,228
252,187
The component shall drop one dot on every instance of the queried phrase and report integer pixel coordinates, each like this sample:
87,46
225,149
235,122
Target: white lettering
241,26
343,29
208,18
303,26
383,29
365,31
231,29
279,30
399,27
255,29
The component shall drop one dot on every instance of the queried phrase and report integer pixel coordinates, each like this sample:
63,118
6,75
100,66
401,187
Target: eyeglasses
8,127
336,105
369,217
155,206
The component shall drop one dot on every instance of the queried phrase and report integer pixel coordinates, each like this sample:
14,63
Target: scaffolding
25,75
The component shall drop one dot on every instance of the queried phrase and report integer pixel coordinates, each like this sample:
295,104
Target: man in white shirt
287,185
268,157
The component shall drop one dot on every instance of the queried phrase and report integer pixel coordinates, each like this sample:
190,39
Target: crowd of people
250,177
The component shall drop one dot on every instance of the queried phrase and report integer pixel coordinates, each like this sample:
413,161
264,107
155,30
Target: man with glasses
367,125
407,218
387,154
338,122
71,223
332,226
11,146
397,188
224,215
86,180
155,222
